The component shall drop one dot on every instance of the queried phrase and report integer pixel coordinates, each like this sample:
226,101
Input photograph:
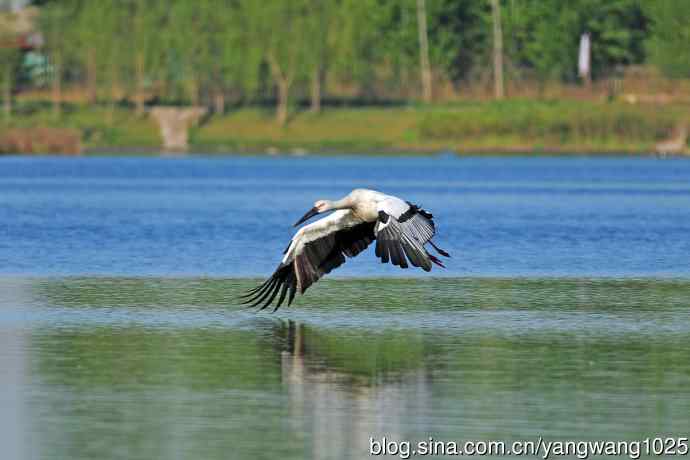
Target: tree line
222,52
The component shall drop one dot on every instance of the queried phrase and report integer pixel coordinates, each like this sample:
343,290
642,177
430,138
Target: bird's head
322,205
319,207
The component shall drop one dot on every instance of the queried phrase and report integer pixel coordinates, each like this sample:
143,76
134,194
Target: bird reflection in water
342,400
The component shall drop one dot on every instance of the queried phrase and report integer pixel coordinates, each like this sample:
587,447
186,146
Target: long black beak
311,213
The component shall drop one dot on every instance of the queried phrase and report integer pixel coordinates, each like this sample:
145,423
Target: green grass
498,127
99,127
335,130
561,126
557,126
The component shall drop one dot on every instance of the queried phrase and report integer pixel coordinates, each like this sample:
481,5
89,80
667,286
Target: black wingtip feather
283,291
318,258
274,292
439,250
253,291
255,295
436,260
293,291
264,294
258,300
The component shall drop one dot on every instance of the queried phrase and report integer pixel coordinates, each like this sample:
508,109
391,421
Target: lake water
233,217
563,313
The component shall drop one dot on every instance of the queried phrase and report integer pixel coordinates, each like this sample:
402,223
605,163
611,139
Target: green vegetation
107,61
670,36
9,65
507,126
235,356
550,126
217,53
491,127
389,295
542,36
99,126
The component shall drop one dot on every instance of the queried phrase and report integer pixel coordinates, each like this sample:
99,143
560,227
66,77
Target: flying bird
400,228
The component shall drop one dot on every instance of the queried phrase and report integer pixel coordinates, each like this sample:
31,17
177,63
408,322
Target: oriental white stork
400,229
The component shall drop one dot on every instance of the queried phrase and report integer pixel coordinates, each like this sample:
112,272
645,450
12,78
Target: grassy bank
489,127
99,127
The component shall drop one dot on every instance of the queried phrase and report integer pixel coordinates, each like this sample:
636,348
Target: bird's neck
344,203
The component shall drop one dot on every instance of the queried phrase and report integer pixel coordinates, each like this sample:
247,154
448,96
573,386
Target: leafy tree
459,36
617,28
355,41
670,35
228,62
544,35
143,32
541,36
398,49
338,37
225,57
91,37
9,65
185,39
277,28
202,52
55,20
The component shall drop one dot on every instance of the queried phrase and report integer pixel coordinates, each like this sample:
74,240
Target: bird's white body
400,228
365,205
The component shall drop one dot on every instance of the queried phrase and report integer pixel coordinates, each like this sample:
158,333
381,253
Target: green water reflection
172,368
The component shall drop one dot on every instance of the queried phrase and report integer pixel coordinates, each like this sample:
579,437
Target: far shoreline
133,152
506,128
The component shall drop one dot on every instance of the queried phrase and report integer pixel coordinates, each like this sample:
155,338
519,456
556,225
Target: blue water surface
233,215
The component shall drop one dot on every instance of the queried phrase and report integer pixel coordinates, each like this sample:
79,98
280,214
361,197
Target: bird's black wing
322,255
401,233
317,257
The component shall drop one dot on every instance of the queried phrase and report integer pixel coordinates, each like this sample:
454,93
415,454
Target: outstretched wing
314,251
401,233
